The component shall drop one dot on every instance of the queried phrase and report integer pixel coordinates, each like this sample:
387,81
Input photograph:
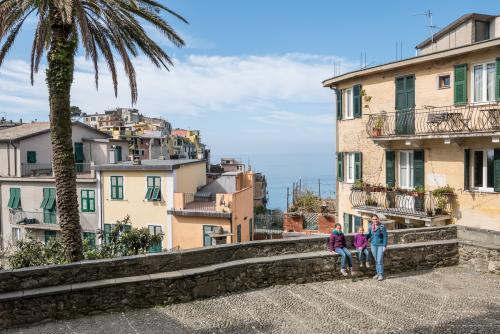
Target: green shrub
30,252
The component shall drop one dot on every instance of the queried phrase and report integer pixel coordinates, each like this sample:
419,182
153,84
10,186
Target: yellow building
408,128
163,195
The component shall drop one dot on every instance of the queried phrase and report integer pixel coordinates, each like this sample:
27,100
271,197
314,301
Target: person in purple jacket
361,244
337,244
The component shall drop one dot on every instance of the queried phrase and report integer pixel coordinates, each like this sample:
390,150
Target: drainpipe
8,159
15,158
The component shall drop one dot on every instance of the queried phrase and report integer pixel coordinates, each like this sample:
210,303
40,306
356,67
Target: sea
315,172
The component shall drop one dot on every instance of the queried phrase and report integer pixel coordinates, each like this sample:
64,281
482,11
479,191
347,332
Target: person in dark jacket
377,234
360,242
337,244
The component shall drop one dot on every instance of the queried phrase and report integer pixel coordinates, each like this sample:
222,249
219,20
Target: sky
250,75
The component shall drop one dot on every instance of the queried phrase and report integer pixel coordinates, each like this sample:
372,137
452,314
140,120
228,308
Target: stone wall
39,277
80,299
480,257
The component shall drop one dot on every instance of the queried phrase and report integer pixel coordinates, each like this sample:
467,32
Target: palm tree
107,28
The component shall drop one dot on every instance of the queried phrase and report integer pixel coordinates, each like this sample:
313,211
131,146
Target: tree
107,28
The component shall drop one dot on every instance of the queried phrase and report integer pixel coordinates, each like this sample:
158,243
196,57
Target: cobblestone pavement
448,300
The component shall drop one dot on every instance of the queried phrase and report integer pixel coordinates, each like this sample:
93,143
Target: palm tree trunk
59,76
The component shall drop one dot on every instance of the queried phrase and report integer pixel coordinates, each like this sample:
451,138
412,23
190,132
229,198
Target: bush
310,202
31,252
123,240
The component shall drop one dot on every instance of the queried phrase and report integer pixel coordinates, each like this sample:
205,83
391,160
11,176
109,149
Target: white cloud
259,91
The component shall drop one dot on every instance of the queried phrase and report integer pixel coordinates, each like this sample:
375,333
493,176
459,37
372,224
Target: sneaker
343,272
380,278
352,271
361,265
376,276
367,264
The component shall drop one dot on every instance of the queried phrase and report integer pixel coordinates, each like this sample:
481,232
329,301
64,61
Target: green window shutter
84,201
340,167
357,105
347,220
88,200
118,153
49,235
31,157
154,230
497,80
91,201
149,191
467,169
357,224
90,237
52,199
156,194
358,166
418,168
496,170
79,158
15,198
107,233
238,233
116,187
390,168
339,103
400,94
460,84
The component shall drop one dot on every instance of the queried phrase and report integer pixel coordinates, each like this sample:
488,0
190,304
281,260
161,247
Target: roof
480,46
155,164
462,19
32,129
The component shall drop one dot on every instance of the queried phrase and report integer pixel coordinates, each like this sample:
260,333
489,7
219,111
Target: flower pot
376,132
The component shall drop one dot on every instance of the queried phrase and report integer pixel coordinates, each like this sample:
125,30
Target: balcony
201,204
82,169
470,120
403,204
48,220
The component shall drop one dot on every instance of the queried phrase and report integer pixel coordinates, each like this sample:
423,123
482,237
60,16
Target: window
139,153
90,237
352,223
250,228
49,235
406,170
207,239
116,187
350,167
79,157
155,230
16,234
48,205
153,192
15,198
87,200
238,233
444,81
481,31
31,157
483,83
118,153
349,111
482,169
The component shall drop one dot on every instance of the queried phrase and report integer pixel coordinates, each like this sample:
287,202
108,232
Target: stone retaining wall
480,257
80,299
39,277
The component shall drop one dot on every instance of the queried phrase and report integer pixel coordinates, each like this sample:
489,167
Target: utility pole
287,197
293,193
319,188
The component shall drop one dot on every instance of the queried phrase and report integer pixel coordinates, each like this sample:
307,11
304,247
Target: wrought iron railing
484,117
268,222
402,203
39,169
199,202
88,220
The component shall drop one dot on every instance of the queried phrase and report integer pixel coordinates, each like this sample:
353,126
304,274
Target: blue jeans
363,255
344,252
378,255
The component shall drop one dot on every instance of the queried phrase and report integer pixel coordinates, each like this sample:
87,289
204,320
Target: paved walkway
447,300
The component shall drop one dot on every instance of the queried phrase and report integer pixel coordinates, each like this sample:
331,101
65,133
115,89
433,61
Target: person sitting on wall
338,245
361,244
377,234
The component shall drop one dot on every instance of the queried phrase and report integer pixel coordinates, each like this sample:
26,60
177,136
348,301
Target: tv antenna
432,27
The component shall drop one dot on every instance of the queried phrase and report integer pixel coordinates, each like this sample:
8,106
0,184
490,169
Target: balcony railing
469,118
48,220
199,202
38,169
402,203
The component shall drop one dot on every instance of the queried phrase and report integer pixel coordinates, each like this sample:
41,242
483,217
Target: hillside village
127,165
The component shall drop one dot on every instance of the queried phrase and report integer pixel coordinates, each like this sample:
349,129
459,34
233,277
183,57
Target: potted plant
441,197
378,123
419,198
370,202
358,185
